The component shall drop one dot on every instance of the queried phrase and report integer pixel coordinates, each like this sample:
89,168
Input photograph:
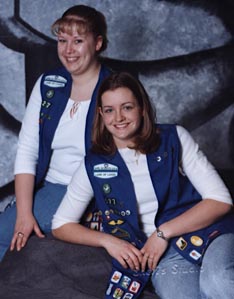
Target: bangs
70,25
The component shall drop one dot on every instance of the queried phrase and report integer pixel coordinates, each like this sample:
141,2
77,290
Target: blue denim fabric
46,202
176,277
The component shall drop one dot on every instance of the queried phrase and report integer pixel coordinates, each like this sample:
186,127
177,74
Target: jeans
46,202
177,278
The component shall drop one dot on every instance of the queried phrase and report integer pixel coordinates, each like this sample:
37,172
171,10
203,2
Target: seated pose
166,214
56,129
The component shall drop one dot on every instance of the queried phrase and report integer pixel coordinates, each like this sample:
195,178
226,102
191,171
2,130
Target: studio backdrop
182,51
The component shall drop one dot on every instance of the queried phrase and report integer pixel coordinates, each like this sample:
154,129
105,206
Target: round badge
106,188
197,241
50,94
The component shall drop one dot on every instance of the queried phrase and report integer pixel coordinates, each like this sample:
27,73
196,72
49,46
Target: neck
83,84
87,76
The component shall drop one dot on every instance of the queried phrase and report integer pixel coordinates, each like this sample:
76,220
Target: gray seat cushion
49,268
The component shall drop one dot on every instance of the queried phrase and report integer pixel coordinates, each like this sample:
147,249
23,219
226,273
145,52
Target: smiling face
122,116
78,52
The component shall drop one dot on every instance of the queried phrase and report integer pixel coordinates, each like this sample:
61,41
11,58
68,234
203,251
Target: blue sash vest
55,91
116,199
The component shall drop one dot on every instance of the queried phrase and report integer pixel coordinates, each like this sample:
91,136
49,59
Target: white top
68,144
193,162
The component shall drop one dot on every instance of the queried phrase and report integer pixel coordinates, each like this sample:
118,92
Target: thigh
46,202
175,277
217,275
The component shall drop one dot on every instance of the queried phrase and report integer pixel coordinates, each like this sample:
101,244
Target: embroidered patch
105,171
214,234
110,201
134,287
196,241
128,296
181,243
55,81
56,78
109,289
54,84
116,222
116,276
45,104
195,255
125,282
120,233
118,293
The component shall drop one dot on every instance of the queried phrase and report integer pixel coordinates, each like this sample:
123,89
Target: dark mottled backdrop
181,50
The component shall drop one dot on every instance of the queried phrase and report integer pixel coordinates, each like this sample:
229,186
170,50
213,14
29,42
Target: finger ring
126,259
150,258
19,234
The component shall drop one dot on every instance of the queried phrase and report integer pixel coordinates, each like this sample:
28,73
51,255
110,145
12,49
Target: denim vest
116,199
55,92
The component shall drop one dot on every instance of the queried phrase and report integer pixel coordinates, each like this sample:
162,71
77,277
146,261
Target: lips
71,59
121,126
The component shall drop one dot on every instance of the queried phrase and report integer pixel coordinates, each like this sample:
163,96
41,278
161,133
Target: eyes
75,41
126,108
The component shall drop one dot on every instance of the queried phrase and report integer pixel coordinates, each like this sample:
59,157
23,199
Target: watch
160,234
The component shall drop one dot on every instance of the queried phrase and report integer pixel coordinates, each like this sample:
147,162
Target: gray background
182,51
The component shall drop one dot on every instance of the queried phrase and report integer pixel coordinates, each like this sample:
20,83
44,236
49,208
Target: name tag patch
55,81
105,171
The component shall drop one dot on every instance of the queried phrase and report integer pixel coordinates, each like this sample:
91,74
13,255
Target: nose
69,48
119,116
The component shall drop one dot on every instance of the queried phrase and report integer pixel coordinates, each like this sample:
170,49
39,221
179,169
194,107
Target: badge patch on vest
195,255
105,171
55,81
50,94
106,188
181,243
123,286
196,241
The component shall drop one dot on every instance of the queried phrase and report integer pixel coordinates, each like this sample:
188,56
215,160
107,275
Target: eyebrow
121,104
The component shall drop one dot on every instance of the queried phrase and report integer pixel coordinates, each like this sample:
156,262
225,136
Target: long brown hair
83,19
147,139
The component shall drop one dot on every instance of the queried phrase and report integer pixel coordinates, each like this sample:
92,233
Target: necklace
74,109
137,156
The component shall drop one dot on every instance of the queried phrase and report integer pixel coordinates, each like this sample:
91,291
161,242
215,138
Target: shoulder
167,130
185,137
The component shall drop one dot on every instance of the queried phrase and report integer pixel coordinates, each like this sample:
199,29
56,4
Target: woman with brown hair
164,208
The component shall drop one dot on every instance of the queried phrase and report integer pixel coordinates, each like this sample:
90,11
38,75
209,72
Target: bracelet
160,234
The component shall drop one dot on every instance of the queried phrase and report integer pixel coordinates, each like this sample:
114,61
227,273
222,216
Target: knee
217,271
217,282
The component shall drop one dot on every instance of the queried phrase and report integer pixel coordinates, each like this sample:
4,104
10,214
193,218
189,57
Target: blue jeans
176,277
46,202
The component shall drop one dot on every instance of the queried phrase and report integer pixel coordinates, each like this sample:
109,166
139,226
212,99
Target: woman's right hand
23,228
124,252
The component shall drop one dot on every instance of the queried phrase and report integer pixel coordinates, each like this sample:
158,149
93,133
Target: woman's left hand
152,252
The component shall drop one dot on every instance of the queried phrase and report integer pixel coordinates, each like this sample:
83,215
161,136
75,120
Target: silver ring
127,258
19,234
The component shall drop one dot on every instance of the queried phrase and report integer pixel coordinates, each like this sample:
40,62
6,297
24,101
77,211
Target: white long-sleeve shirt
196,166
68,144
